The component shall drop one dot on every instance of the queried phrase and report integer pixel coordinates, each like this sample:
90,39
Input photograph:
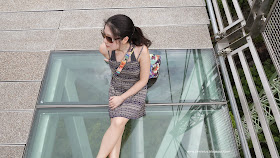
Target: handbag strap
126,57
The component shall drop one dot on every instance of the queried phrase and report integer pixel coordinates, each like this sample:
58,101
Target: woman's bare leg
112,135
115,153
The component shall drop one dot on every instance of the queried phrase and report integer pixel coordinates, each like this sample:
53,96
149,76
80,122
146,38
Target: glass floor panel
200,131
82,77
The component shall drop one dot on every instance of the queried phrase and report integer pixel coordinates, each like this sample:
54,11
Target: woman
128,86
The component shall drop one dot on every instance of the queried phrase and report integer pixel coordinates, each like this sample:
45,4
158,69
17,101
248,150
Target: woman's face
110,46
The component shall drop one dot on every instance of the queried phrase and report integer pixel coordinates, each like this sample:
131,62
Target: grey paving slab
165,37
79,39
34,40
141,17
178,37
31,5
12,151
15,126
30,20
41,5
18,95
22,65
95,18
7,5
88,4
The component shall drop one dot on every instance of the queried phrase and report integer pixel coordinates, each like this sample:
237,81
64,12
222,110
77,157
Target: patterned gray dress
134,106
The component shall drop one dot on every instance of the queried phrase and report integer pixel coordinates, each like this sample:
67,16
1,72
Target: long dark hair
122,26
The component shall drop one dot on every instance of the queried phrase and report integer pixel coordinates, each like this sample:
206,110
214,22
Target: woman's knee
119,121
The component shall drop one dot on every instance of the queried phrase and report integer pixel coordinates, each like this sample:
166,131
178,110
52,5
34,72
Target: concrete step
21,66
181,16
141,16
18,95
11,151
41,5
28,40
15,126
164,37
89,4
30,20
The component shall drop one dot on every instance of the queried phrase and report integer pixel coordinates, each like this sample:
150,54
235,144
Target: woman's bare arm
103,50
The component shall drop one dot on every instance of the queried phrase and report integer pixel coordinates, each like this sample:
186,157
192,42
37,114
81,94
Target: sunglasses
109,39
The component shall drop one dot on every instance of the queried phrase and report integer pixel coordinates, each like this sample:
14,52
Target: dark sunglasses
109,39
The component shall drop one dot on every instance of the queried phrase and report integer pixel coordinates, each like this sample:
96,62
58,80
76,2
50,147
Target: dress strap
113,56
140,52
109,54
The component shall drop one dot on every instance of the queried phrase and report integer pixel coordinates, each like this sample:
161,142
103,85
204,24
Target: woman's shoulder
142,49
142,53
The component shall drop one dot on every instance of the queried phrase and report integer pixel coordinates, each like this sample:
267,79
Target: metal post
211,12
227,11
234,108
217,12
230,93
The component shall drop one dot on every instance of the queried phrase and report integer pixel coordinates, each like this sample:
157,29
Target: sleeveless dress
134,106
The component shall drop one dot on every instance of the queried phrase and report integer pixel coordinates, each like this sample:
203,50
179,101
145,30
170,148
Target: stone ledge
30,20
43,5
18,95
31,5
90,4
12,151
15,126
33,40
95,18
16,66
141,17
165,37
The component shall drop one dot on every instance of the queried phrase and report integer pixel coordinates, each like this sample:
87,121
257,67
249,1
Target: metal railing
274,84
234,40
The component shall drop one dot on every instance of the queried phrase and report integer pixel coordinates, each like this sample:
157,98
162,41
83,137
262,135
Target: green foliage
269,68
261,138
276,139
274,129
266,152
276,135
232,119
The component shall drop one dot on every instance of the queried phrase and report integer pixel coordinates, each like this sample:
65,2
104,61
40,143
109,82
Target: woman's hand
106,60
115,101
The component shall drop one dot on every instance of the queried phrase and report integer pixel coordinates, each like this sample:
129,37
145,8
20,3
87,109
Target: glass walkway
187,115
